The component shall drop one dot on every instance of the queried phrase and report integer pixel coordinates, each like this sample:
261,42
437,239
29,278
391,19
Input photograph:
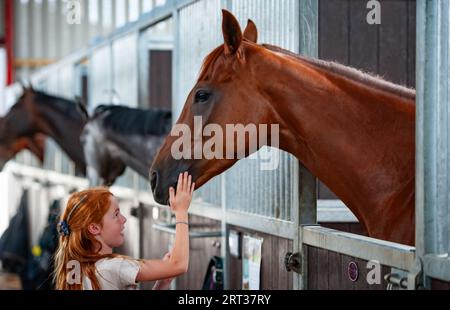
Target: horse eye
201,96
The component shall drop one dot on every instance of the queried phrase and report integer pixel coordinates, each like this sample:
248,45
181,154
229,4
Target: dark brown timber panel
328,270
387,49
273,273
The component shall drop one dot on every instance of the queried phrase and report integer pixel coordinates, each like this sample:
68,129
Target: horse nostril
154,179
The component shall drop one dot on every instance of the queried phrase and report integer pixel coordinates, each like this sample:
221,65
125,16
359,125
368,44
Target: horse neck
356,139
65,128
136,151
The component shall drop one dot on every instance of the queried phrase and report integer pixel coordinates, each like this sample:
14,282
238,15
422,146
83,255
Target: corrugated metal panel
100,73
125,71
125,84
199,32
21,43
248,187
277,21
66,90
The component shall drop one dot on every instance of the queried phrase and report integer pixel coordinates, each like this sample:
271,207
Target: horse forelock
208,63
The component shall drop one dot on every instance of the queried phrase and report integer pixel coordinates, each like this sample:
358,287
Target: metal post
9,40
225,248
175,62
432,131
305,211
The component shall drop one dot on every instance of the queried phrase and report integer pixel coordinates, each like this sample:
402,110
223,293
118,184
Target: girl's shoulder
115,262
116,272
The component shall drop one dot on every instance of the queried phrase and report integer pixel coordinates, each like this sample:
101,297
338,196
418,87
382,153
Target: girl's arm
165,283
178,262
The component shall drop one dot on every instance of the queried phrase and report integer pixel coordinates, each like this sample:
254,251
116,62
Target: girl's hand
180,201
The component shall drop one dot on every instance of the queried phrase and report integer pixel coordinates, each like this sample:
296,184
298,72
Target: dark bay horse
9,147
36,112
355,132
118,136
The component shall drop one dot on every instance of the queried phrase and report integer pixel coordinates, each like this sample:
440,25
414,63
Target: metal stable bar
385,252
56,178
170,228
264,224
334,210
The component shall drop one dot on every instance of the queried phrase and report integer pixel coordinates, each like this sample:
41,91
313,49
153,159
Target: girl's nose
124,219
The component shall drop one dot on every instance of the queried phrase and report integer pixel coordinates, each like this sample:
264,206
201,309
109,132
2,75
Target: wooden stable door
160,81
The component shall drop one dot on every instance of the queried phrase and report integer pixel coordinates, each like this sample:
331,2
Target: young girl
92,225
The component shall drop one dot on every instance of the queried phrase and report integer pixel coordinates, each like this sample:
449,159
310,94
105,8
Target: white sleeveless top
116,273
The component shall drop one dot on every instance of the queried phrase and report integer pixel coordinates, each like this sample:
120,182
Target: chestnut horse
36,112
9,147
355,132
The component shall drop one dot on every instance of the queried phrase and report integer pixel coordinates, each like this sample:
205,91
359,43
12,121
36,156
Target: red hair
85,207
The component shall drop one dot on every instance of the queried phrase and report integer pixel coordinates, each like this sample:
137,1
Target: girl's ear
94,229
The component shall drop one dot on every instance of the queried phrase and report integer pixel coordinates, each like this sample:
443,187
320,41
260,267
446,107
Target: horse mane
128,121
351,73
64,106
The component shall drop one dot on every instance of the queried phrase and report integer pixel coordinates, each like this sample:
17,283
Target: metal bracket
415,280
406,281
396,281
292,262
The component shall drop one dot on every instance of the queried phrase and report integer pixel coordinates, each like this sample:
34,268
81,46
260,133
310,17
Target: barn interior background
146,53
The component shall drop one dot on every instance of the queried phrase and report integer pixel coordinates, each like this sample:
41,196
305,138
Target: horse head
10,147
16,132
226,100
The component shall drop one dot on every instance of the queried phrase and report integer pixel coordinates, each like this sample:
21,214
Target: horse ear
250,32
81,107
22,85
232,34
